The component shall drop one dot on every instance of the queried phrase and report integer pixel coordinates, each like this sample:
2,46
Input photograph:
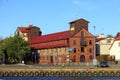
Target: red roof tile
99,39
25,29
51,37
117,36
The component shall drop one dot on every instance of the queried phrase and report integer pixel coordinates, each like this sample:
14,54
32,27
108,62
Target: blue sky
54,15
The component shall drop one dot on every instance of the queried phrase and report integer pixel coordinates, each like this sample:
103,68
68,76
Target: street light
33,53
94,59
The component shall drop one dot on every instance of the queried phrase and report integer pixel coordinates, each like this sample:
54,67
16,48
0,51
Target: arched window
74,50
90,42
90,57
74,42
82,58
74,58
90,50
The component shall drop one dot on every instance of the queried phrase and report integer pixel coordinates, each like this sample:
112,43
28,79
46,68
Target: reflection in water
60,78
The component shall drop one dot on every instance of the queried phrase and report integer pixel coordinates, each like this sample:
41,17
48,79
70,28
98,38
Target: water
59,78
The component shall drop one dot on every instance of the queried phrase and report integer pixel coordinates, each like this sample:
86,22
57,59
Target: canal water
59,78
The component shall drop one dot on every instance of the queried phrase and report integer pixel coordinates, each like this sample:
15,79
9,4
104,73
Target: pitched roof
116,39
117,36
99,39
51,37
79,20
25,29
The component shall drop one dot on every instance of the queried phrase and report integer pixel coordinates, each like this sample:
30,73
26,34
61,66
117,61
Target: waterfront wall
60,72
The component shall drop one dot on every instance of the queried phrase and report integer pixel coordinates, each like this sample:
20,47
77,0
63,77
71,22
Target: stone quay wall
95,72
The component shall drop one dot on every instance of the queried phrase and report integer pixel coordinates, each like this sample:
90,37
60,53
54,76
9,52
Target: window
90,42
90,57
81,42
82,34
18,33
119,44
74,50
82,49
74,42
108,41
66,49
82,58
90,50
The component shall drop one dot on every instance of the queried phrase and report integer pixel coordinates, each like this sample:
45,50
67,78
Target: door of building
74,58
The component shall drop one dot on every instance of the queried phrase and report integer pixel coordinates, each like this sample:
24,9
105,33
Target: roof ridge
55,33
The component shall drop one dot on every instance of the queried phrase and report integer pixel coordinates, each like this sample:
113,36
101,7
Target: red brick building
29,32
73,46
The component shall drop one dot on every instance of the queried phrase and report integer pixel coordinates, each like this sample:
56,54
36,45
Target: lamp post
94,59
33,53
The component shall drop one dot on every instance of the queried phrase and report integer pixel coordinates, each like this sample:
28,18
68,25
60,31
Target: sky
54,15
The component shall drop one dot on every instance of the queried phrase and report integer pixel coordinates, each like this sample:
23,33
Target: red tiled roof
29,27
99,39
117,36
25,29
51,37
116,39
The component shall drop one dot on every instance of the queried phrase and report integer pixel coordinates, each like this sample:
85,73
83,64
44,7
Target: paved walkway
22,66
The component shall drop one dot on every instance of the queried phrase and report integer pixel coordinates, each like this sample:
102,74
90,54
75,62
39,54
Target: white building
103,44
115,48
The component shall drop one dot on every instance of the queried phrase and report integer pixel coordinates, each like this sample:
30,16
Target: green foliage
17,48
102,57
1,43
109,36
1,47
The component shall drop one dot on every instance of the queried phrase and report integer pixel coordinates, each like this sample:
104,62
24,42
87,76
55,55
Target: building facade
115,48
28,33
103,45
73,46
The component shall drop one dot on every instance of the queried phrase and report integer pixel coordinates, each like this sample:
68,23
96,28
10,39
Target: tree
109,35
17,48
1,43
